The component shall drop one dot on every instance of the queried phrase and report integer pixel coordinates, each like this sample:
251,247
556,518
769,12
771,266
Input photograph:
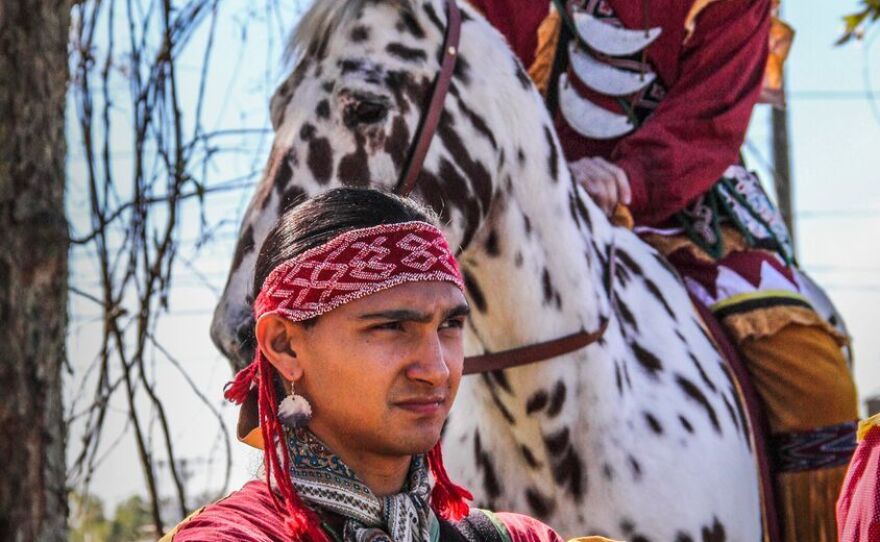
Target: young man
651,100
359,323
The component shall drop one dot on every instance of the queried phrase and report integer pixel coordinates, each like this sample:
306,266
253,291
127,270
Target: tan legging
802,378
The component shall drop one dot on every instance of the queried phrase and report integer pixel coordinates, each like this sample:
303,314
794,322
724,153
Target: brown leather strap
424,135
428,125
524,355
535,352
757,419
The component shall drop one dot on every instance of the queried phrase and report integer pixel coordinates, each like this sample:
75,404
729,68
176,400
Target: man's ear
275,337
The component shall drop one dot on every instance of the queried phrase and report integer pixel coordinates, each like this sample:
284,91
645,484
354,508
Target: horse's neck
537,264
540,259
541,274
544,277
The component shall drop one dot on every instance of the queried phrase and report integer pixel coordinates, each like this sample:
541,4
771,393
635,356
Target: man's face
381,372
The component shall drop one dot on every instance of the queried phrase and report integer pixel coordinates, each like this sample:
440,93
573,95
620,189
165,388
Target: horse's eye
365,111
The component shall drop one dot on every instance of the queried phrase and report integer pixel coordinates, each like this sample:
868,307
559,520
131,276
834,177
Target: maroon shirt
713,79
249,515
858,507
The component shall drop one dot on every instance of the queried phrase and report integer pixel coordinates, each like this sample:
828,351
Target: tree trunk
33,268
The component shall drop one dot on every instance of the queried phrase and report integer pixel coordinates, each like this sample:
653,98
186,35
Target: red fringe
448,500
237,390
302,522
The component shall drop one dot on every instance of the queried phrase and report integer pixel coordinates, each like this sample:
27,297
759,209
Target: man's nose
429,364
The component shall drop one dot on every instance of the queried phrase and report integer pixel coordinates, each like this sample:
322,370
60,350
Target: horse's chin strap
419,149
524,355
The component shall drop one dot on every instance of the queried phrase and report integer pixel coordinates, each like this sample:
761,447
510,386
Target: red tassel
448,500
301,521
237,390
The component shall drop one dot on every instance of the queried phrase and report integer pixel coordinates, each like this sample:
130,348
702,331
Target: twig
225,430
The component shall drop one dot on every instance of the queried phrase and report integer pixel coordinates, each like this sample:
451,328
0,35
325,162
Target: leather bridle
515,357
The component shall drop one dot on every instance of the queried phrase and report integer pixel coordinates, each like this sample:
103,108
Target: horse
641,435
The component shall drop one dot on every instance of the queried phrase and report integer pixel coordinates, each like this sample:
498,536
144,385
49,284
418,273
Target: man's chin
416,442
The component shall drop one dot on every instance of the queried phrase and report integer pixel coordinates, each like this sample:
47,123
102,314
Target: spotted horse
638,436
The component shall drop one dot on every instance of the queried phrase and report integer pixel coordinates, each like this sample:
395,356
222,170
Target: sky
834,134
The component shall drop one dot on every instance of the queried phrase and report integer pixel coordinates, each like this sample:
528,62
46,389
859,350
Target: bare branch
126,61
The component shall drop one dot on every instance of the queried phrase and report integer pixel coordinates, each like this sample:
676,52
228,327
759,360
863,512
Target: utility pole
781,36
782,164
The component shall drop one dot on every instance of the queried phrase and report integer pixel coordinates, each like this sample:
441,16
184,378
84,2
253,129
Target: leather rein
515,357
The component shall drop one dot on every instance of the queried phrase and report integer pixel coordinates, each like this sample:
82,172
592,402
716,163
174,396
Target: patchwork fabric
829,446
753,291
740,280
755,215
737,199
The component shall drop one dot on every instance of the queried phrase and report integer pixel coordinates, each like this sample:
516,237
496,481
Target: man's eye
453,323
396,325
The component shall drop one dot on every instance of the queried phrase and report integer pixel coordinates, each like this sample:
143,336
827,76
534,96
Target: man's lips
422,405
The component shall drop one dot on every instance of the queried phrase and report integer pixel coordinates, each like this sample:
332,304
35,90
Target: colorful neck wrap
350,266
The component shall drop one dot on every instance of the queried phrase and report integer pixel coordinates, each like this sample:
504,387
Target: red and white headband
356,264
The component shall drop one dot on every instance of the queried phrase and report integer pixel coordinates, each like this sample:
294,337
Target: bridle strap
514,357
524,355
428,124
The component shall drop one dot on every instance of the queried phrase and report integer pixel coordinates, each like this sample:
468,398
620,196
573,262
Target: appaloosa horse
638,436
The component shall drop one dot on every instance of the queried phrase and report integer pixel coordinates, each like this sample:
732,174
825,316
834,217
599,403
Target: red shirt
713,79
249,515
858,508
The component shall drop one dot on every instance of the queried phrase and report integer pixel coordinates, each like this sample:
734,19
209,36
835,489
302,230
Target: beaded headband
356,264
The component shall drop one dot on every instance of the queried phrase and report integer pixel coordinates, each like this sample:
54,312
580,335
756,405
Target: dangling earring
294,411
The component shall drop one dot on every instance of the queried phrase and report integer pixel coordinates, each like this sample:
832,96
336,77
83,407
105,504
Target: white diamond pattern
355,264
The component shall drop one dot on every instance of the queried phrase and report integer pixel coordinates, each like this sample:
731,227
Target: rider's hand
606,183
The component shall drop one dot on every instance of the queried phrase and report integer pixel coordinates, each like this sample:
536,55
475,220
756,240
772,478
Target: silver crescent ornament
612,40
605,78
587,118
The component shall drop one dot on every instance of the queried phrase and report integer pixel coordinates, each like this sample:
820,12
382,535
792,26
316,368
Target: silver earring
294,411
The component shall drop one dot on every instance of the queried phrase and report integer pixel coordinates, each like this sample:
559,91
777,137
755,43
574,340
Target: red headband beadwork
356,264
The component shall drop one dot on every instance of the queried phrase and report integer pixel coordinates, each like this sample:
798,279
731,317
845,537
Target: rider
359,323
651,100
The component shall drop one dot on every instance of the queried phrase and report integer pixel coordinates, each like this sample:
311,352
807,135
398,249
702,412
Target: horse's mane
325,17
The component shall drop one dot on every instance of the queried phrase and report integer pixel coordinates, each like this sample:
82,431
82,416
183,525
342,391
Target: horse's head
363,73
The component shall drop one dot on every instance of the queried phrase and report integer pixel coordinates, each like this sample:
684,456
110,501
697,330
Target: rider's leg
799,370
810,404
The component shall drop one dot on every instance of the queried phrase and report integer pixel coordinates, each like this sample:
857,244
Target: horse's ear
277,105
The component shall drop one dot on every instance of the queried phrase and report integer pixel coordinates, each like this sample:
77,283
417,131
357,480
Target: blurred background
161,161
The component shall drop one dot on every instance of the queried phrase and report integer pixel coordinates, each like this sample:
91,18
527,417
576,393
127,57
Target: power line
838,214
833,95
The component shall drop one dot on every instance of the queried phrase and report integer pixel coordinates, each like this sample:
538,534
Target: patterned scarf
322,479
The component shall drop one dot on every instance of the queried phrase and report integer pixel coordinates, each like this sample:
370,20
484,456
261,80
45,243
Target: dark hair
327,215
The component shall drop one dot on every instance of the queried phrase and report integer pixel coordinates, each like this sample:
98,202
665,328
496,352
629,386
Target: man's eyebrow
459,310
409,315
397,314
